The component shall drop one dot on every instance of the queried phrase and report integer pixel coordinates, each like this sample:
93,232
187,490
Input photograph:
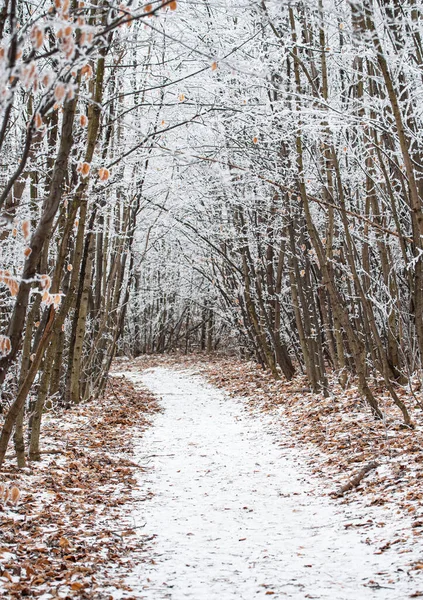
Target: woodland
241,178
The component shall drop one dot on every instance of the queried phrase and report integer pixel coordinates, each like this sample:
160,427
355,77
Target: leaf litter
69,535
85,527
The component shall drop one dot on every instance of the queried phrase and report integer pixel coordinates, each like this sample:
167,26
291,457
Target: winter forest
217,199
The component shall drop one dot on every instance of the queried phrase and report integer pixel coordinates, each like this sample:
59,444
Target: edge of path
338,437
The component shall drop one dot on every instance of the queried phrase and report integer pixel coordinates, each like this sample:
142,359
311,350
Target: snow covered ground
236,515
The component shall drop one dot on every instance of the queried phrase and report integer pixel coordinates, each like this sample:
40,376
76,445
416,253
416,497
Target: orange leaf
76,585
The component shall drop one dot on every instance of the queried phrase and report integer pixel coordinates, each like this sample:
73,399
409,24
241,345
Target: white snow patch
234,515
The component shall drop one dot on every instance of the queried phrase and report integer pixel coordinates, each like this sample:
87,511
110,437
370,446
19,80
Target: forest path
235,515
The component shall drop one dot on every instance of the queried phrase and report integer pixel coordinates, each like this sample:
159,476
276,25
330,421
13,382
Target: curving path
235,516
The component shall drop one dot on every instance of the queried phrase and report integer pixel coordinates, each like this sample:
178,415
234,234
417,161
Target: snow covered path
236,516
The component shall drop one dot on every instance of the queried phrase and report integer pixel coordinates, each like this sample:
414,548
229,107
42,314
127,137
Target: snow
235,515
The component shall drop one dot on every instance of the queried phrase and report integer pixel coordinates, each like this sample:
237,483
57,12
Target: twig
113,389
155,455
129,528
352,483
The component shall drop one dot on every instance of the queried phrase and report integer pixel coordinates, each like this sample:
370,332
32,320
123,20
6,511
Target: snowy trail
236,515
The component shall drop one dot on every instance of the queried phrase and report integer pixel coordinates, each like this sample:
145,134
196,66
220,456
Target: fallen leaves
69,527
